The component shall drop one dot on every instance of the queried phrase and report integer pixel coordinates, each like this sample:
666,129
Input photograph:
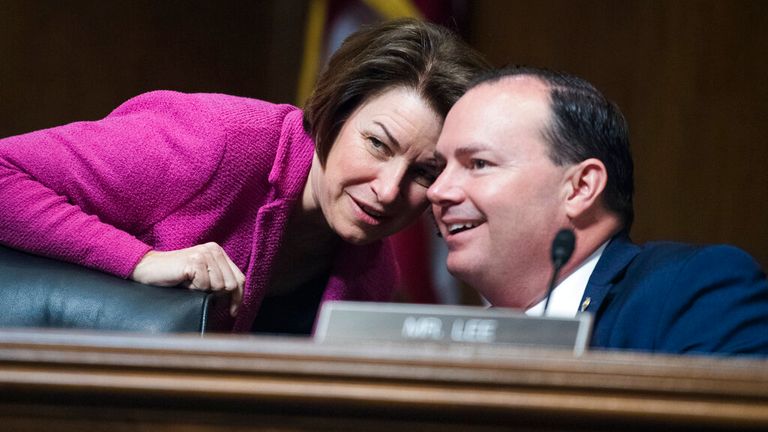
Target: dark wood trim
67,381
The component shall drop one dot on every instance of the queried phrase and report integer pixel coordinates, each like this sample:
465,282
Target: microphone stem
551,287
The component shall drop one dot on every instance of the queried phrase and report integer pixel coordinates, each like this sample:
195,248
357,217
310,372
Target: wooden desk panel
79,381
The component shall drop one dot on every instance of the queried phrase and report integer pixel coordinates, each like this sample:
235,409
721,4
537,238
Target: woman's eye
376,143
424,176
378,148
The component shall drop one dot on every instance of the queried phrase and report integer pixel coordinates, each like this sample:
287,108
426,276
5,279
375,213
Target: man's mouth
456,228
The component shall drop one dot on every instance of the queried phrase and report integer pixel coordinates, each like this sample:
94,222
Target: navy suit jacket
678,298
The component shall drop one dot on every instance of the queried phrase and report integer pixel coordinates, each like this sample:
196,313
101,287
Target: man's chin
461,269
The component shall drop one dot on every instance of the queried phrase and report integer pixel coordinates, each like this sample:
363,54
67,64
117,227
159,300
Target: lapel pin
585,304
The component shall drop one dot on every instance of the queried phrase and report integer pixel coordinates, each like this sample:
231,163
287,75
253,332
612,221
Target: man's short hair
584,125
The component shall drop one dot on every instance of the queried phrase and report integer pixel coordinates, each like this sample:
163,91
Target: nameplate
396,322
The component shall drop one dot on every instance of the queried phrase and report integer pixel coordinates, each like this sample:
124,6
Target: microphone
562,248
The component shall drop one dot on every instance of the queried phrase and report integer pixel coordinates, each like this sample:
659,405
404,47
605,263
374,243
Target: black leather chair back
41,292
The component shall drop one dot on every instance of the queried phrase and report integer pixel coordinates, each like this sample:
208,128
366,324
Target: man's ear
586,182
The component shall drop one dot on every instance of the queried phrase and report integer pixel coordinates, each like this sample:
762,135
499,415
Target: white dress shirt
566,297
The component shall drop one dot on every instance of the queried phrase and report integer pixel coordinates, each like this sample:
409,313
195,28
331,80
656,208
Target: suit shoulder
678,297
718,255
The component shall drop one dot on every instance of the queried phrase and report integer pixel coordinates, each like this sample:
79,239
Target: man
527,152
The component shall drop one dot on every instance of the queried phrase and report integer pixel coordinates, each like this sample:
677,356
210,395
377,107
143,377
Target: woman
280,207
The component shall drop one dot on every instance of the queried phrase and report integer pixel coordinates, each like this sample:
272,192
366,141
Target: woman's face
376,176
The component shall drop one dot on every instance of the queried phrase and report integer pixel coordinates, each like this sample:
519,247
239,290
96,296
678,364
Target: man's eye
478,163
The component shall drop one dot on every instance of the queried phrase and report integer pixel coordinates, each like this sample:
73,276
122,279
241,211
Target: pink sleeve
84,192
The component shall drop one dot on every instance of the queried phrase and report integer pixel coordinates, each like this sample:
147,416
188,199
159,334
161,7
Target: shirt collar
565,298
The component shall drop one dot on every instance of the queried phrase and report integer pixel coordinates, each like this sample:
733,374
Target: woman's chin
359,237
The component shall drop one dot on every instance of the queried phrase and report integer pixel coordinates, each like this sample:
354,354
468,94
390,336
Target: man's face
499,200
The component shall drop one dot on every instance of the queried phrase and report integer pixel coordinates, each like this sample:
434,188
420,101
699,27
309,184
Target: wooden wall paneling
78,60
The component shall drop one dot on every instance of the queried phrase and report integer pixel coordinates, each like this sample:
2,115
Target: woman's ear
586,181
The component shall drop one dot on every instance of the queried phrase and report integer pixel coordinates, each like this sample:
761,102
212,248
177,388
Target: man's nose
446,188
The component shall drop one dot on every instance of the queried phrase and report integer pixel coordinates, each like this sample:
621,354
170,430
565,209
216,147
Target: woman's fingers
225,276
203,267
236,301
209,269
237,284
220,274
198,267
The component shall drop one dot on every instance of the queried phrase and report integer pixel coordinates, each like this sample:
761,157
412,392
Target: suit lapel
615,258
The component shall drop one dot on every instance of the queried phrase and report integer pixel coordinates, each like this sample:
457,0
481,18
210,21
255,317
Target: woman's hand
204,267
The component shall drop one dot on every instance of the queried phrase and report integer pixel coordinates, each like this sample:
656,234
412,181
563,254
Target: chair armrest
42,292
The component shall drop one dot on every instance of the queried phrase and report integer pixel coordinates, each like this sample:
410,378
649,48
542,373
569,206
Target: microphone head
562,247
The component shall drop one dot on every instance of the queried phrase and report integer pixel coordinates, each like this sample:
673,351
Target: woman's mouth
366,213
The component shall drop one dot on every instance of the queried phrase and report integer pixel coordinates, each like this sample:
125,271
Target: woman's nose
388,183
